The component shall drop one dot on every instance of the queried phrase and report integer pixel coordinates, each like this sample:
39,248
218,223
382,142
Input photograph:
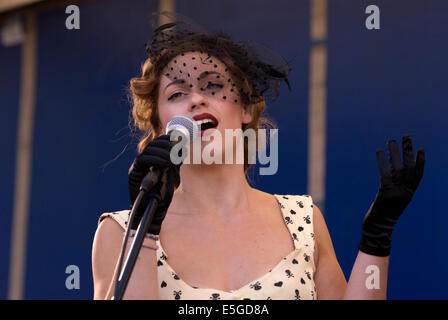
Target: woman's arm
329,279
368,279
398,183
105,254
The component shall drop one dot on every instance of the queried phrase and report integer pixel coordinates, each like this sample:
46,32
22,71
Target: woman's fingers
408,153
419,164
383,166
409,174
161,158
394,154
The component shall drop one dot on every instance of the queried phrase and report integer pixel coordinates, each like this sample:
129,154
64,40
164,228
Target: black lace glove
397,186
156,153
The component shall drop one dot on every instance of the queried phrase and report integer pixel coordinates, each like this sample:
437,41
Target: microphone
182,129
182,125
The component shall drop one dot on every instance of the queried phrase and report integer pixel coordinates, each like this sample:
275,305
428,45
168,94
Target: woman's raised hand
398,183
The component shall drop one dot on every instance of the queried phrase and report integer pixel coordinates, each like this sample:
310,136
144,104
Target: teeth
200,122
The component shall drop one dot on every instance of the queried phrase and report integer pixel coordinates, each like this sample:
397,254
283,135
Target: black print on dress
215,296
308,275
177,294
312,235
159,263
175,276
297,296
163,257
163,284
288,220
285,197
300,203
278,284
294,261
302,281
306,257
289,274
294,236
256,285
292,211
307,219
246,298
269,298
300,229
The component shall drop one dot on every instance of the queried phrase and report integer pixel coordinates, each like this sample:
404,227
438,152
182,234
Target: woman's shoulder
121,217
106,249
295,204
297,199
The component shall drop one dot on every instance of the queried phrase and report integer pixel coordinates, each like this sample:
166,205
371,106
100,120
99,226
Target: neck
212,190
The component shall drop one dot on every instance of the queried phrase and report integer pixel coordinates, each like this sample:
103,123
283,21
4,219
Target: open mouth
206,124
205,121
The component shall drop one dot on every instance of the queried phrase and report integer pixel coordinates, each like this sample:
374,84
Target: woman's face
195,83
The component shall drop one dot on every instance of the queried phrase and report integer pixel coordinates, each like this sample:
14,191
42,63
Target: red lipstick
205,115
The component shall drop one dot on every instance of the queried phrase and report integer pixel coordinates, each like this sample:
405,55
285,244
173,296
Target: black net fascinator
191,56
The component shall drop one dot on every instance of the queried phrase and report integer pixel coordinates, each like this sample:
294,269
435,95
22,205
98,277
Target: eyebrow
203,74
177,81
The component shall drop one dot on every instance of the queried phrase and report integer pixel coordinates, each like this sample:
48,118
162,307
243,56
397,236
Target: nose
197,99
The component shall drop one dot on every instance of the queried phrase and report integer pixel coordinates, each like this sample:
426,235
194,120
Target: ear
247,114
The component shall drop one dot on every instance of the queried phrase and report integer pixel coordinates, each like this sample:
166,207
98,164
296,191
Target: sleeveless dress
291,279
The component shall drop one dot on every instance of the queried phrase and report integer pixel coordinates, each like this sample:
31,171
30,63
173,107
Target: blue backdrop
381,84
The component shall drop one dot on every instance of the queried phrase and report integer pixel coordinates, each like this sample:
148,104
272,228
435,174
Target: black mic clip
150,180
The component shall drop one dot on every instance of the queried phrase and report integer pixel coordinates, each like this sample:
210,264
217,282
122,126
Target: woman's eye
174,96
212,85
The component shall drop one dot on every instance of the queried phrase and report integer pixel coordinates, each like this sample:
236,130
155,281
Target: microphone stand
121,277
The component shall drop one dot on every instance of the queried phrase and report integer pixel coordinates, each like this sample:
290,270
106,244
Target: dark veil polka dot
264,69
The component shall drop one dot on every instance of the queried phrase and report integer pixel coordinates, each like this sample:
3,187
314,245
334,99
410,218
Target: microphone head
184,124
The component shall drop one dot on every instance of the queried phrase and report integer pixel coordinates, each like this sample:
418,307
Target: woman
221,238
